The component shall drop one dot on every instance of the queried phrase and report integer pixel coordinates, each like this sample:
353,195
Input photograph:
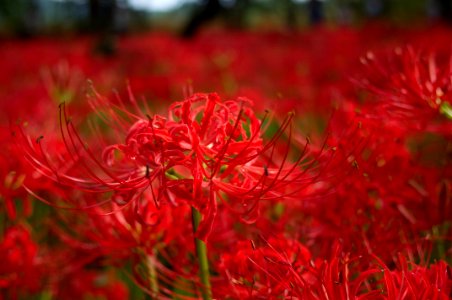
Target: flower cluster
221,199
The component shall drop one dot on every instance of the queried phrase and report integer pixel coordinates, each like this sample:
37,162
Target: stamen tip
38,140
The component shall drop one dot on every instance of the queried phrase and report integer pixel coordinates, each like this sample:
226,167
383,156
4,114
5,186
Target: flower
20,272
281,268
265,269
410,87
203,152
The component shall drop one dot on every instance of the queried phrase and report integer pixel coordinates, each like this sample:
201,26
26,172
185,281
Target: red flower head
204,152
19,271
410,87
267,271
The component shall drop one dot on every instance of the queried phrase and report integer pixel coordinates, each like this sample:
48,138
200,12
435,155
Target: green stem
439,239
201,251
153,281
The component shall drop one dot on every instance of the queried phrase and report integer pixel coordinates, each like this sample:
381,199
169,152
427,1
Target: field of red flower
235,165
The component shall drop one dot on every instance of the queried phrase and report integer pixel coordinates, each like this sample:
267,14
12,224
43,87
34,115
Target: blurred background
308,49
31,17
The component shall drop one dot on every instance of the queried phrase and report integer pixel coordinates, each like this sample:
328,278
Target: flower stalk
201,252
153,279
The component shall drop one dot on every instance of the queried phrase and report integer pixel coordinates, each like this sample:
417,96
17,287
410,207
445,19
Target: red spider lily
411,87
139,227
411,281
205,151
20,271
282,269
342,277
377,196
265,271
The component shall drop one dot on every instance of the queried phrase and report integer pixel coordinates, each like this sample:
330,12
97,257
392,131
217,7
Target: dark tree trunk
291,15
315,12
445,9
102,21
209,10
